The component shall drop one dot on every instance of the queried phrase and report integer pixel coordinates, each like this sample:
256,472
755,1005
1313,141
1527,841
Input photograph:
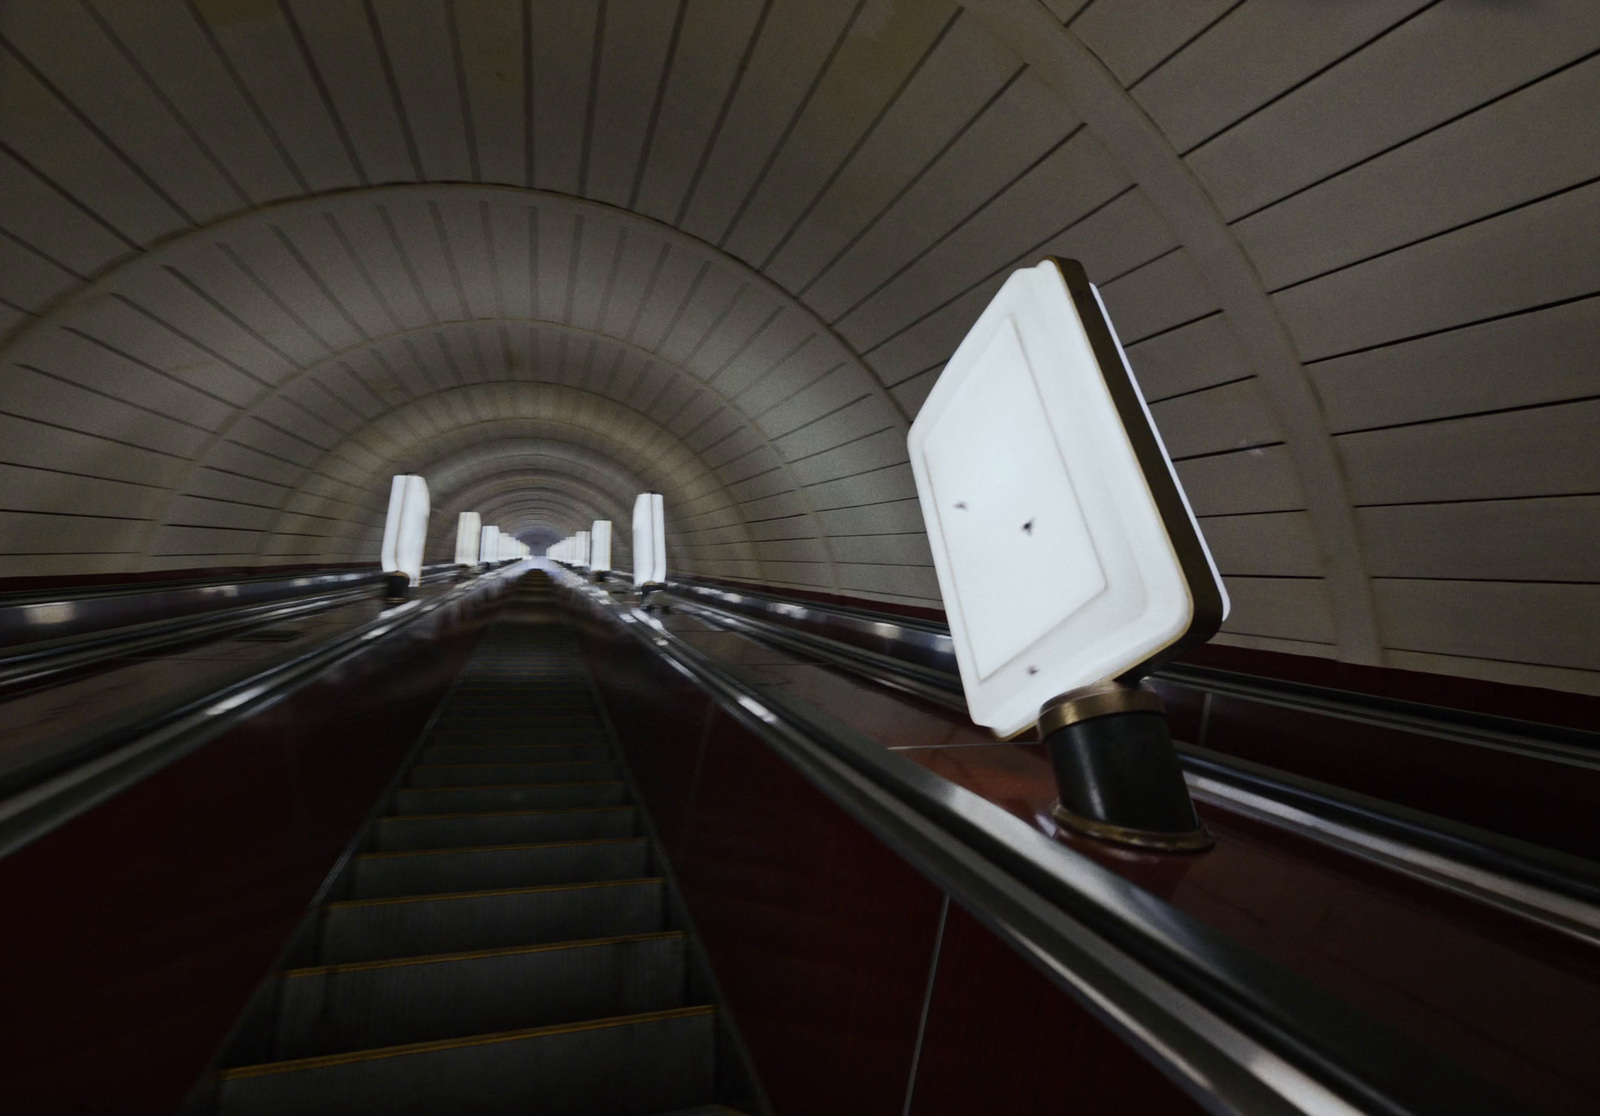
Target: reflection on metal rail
56,797
1241,1034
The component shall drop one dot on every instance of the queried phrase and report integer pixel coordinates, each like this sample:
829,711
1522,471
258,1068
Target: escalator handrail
927,643
131,754
1240,1033
108,634
1558,890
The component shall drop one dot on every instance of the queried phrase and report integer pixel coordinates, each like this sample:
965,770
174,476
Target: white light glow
469,531
580,556
649,540
1064,548
600,546
405,529
489,543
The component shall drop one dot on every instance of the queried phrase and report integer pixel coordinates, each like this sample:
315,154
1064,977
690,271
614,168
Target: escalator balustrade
503,941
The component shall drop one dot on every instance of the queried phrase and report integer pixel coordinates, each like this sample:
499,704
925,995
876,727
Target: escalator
504,937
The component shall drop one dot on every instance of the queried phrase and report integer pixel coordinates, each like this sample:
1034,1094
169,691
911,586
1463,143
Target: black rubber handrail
1240,1033
115,624
926,643
1557,889
48,795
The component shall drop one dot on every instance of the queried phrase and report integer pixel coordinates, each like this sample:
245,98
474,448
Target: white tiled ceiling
257,256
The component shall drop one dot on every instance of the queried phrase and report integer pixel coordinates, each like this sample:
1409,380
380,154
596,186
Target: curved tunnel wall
255,258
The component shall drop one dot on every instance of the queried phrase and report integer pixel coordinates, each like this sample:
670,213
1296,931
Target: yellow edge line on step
502,848
515,786
504,813
395,899
475,766
328,1060
475,954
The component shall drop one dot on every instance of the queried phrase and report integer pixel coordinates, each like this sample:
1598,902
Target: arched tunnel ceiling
255,257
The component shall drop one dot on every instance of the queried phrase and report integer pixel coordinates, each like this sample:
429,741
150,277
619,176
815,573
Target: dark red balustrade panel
134,935
821,936
1001,1038
1523,796
660,717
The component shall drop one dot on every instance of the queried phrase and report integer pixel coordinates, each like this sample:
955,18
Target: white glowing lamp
1065,548
405,530
580,555
469,530
489,540
600,546
649,540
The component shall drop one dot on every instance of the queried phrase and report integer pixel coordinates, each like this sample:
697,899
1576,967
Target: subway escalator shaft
503,939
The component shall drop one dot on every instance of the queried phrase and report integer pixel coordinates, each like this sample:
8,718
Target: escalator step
384,875
532,734
376,929
625,1066
514,753
520,774
339,1008
455,800
510,827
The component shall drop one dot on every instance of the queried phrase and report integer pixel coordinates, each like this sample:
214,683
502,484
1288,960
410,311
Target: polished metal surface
35,617
1099,700
41,806
1550,888
1239,1033
901,640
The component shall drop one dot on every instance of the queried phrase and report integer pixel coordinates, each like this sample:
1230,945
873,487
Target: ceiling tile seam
318,82
396,102
1068,66
71,199
360,265
458,66
861,141
40,254
788,129
451,268
977,210
593,97
404,257
138,362
722,113
411,403
97,133
910,184
1387,149
170,107
1186,44
292,250
647,145
1481,219
1019,260
272,296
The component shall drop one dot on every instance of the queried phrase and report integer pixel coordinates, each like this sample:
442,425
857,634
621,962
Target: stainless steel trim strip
1240,1034
33,812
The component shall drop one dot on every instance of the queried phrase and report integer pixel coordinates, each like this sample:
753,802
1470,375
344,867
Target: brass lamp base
1117,771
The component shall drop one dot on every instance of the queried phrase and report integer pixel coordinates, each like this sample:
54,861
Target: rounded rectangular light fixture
489,543
1065,548
600,546
649,540
405,529
469,529
580,555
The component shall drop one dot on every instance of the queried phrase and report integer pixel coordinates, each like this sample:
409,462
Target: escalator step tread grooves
501,942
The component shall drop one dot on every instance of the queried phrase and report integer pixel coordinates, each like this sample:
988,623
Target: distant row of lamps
591,550
405,533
